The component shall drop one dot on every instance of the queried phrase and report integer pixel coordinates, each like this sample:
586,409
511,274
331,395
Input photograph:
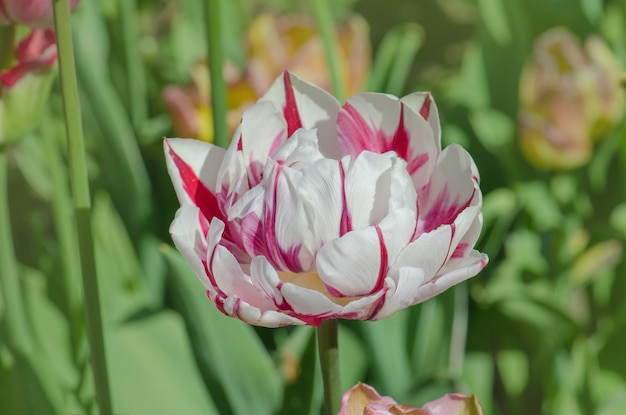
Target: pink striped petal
192,166
381,123
450,190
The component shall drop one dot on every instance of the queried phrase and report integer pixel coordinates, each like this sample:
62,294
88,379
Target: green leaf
478,372
234,363
513,369
494,17
352,358
540,204
387,339
120,275
152,369
298,356
494,129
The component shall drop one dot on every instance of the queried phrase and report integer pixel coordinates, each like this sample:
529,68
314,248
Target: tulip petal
304,105
190,240
415,266
381,123
424,104
374,184
355,264
192,166
450,190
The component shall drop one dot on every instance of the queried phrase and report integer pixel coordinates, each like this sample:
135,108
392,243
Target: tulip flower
24,88
275,43
362,399
320,211
33,13
569,98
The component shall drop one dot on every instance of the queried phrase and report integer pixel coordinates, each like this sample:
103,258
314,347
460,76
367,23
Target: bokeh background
541,330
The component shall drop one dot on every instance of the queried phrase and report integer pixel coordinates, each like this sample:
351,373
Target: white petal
428,253
471,265
374,184
189,239
355,264
401,291
308,302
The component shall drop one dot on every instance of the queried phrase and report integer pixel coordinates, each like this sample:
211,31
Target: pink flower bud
25,86
362,399
33,13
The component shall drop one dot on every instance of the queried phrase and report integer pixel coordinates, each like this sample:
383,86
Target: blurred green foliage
541,330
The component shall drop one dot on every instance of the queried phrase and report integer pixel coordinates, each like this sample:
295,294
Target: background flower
570,97
25,87
34,13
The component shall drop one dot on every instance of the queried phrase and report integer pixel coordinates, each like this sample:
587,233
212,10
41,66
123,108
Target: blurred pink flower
24,87
320,211
362,399
33,13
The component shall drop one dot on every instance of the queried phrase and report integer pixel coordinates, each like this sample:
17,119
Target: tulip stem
328,347
326,26
216,64
82,202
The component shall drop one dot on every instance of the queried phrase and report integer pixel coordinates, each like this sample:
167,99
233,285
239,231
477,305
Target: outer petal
450,190
190,239
424,104
415,266
34,13
193,166
454,404
381,123
356,399
304,105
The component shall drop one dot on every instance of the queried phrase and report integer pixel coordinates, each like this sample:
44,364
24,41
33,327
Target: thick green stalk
326,28
82,203
328,347
216,64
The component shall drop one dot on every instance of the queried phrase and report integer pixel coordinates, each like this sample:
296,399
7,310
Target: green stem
216,64
82,202
327,343
14,310
326,27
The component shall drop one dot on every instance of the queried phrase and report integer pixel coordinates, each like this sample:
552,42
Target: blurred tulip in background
25,86
570,98
33,13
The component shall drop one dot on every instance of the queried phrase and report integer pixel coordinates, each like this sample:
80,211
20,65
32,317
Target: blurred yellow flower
275,43
569,98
